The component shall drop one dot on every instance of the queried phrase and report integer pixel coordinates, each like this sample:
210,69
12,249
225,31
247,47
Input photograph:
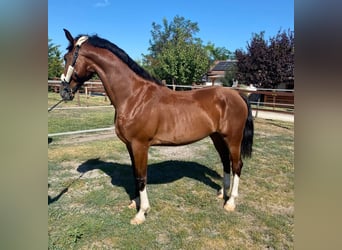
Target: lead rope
54,106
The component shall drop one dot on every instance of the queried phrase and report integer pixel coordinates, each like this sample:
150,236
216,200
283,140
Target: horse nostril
71,96
66,95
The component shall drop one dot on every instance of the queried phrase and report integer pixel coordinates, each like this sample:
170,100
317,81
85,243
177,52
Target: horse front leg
138,153
135,202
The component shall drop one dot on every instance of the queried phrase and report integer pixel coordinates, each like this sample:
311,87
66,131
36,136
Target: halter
67,92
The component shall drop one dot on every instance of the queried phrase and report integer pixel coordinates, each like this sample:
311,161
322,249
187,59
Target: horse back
187,116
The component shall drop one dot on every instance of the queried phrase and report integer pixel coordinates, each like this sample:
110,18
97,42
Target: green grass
79,119
89,198
74,120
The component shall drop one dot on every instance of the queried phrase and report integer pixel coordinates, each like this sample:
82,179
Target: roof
221,66
218,70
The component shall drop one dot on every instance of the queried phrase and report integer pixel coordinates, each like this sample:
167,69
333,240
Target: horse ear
68,36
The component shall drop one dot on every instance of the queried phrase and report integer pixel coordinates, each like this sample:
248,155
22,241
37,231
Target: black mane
122,55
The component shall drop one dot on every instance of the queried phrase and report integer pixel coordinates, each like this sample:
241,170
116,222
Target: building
214,75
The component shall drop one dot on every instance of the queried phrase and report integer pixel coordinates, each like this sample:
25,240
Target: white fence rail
81,131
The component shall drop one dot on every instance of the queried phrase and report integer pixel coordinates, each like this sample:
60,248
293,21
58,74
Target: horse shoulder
139,115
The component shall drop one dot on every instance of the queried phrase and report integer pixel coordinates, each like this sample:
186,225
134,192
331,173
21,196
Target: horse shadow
157,173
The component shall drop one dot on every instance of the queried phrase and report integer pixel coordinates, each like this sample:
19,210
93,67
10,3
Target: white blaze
68,75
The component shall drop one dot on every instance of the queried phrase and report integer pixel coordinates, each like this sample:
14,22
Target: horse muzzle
65,92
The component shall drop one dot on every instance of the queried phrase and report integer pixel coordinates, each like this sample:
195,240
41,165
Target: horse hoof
229,207
219,195
137,221
132,205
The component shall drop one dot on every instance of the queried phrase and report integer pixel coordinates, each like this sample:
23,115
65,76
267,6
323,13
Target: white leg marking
144,203
235,186
144,208
230,204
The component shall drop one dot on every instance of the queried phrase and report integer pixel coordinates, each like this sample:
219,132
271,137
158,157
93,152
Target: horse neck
119,81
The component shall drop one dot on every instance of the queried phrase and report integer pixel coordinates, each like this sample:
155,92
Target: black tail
248,133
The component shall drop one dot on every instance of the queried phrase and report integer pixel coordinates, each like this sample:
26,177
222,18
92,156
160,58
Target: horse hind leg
236,167
223,150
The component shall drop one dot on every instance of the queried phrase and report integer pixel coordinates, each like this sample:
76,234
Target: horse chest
128,128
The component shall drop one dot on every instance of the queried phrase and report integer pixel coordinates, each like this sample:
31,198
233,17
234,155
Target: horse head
76,70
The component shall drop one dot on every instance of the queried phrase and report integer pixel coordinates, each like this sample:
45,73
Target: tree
267,64
217,53
55,62
181,63
253,65
178,29
281,54
176,55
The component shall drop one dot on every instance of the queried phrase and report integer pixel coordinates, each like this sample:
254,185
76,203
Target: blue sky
128,24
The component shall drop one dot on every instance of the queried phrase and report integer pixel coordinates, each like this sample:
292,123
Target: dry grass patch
182,186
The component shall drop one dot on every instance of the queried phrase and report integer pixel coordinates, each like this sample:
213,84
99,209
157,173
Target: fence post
257,109
86,92
78,98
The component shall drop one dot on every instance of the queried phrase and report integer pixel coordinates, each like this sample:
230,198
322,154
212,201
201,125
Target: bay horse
150,114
